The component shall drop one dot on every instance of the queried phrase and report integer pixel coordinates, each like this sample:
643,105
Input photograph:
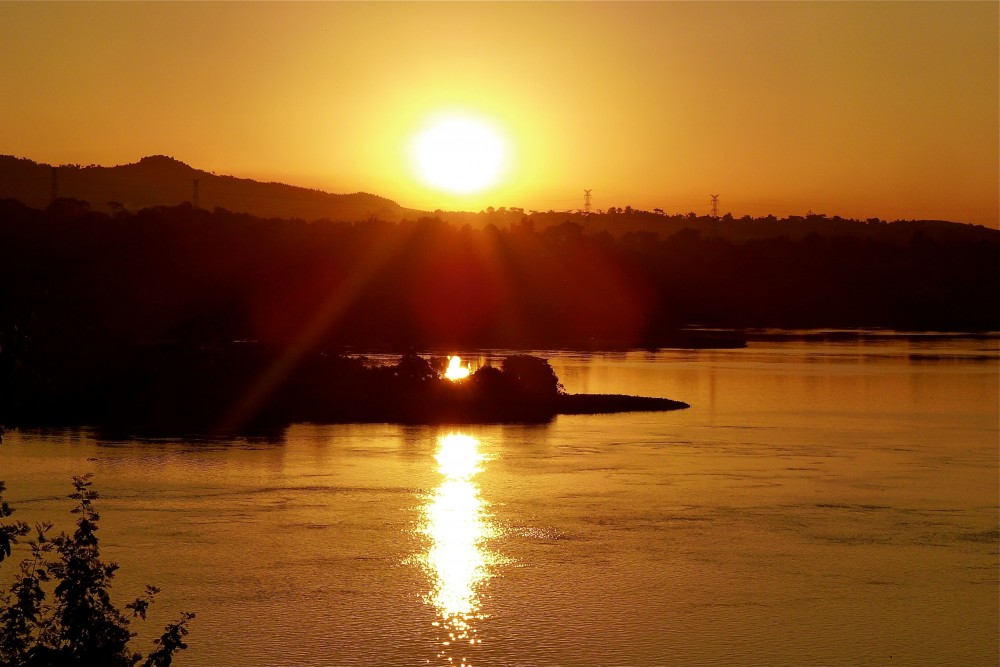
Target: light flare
456,371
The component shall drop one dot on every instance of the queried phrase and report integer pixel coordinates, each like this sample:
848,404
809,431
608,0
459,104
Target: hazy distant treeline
69,275
617,221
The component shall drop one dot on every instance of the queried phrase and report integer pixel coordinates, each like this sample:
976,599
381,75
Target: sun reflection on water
457,561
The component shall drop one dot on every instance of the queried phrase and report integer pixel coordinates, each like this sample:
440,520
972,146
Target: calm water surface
819,504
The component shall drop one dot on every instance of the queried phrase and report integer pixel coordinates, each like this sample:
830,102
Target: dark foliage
59,612
151,298
534,377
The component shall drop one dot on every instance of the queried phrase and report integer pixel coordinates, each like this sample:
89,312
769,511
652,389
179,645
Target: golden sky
860,109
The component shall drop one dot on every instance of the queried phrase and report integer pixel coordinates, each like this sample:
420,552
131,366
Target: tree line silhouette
183,274
82,290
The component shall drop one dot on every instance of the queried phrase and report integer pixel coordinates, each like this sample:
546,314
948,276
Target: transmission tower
715,206
194,193
586,202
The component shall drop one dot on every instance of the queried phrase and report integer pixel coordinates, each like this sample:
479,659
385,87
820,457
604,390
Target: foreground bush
58,612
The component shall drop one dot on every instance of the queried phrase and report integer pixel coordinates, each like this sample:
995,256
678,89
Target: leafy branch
58,612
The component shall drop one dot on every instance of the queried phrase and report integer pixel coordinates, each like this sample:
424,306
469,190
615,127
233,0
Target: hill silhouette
158,180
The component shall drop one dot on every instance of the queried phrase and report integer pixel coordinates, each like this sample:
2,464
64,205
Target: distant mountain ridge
159,180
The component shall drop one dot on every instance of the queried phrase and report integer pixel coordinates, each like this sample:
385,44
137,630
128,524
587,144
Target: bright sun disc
459,154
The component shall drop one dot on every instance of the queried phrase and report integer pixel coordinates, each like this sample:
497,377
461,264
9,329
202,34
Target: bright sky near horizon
859,109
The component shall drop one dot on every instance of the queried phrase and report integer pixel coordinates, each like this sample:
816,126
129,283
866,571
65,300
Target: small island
523,389
245,386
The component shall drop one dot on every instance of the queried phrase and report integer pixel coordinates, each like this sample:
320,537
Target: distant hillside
159,180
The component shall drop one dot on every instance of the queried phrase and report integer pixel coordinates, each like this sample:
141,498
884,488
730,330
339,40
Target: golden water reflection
457,561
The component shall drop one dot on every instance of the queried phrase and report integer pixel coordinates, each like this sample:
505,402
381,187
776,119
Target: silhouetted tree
532,376
82,626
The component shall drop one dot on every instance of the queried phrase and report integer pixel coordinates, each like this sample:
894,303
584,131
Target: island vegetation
241,387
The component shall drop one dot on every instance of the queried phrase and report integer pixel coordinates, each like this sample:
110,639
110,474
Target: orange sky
861,109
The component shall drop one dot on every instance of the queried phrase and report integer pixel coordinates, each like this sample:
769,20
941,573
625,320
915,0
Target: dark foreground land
69,275
175,314
244,386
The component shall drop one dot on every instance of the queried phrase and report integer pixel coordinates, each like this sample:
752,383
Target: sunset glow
860,109
724,274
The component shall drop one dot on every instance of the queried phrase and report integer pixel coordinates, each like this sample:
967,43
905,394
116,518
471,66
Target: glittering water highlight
457,562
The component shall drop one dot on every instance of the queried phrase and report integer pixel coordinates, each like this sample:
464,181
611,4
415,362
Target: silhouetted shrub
59,612
531,376
487,379
413,367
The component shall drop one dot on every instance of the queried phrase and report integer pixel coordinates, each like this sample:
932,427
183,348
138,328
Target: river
822,502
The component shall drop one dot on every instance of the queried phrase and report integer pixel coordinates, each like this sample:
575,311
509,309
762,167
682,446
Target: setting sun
459,154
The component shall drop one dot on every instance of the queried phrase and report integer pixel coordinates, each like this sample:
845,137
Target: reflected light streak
457,562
